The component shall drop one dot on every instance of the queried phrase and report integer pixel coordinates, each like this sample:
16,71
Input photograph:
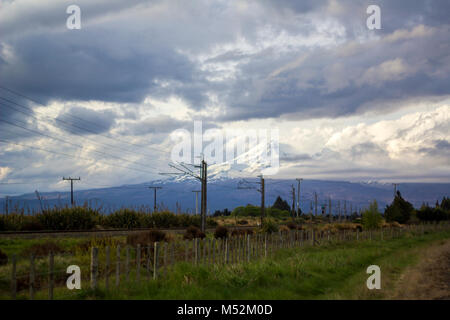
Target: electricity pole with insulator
71,187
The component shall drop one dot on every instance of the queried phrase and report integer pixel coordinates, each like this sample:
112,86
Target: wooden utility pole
339,210
71,187
196,200
299,180
315,203
395,188
244,184
329,210
293,201
203,177
345,210
262,190
154,198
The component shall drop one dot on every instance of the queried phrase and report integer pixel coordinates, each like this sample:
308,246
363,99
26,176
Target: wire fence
46,276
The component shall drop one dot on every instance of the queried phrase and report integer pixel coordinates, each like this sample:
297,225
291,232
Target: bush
43,249
221,232
371,218
292,225
76,218
284,228
242,222
32,225
145,238
241,232
99,242
400,210
269,226
123,218
193,232
3,258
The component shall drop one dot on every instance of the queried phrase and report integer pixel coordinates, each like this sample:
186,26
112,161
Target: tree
445,204
371,217
400,210
281,204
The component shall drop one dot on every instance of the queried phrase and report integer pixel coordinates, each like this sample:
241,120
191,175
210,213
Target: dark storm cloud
120,55
79,120
330,83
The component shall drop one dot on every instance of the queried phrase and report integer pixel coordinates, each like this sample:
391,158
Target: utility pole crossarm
71,187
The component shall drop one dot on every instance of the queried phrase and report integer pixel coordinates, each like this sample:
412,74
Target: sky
101,102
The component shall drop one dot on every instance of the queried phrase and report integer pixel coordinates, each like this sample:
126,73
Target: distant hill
223,193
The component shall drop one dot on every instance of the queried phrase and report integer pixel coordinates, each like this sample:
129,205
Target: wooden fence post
225,250
265,245
138,263
107,268
164,247
248,248
94,267
149,252
51,281
32,277
13,277
204,251
195,251
155,261
186,250
172,254
118,266
209,251
214,251
127,264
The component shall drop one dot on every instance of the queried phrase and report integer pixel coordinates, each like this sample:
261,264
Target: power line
73,144
65,123
72,156
71,116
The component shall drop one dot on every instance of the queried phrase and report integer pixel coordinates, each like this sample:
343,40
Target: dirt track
428,280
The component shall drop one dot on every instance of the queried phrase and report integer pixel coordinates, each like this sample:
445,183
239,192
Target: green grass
335,271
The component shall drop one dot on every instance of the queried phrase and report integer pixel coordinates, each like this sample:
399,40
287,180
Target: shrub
242,222
193,232
99,242
371,217
32,225
291,225
3,258
400,210
123,218
43,249
165,220
284,228
269,226
145,238
76,218
221,232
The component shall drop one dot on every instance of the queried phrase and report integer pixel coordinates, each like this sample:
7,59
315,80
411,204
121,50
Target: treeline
85,218
403,211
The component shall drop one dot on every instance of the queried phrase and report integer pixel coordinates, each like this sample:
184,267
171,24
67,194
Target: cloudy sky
100,102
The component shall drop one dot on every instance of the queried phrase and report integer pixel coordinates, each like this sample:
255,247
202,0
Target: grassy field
335,271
